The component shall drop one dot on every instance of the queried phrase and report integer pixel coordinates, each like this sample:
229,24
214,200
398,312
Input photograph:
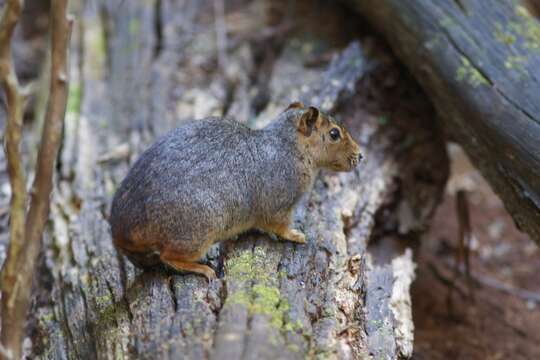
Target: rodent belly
232,231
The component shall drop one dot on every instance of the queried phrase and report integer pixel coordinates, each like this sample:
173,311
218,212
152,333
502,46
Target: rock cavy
211,179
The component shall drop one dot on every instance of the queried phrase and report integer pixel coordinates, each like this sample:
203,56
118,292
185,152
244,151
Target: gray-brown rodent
212,179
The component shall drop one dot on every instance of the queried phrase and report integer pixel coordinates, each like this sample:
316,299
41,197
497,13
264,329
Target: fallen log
137,74
479,61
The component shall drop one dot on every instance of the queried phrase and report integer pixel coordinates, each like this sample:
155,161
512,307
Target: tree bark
479,62
142,67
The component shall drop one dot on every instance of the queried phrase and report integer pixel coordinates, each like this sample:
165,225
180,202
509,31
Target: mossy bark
142,67
479,61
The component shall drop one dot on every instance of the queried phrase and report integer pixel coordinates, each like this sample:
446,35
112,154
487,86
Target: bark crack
461,6
158,28
69,339
171,287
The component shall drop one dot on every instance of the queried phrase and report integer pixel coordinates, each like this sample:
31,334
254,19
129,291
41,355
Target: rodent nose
360,157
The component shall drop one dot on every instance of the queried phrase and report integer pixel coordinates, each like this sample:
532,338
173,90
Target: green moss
109,314
504,36
103,300
516,63
293,326
46,318
268,301
264,296
240,267
528,28
467,72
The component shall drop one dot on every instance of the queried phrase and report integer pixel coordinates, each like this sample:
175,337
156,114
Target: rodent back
193,168
208,173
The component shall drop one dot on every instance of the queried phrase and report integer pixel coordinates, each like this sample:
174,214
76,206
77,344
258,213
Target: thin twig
462,253
24,263
465,235
17,179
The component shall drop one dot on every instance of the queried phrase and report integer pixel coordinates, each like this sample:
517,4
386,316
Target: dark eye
335,134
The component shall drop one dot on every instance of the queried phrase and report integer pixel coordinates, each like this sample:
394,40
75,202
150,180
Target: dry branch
25,248
14,102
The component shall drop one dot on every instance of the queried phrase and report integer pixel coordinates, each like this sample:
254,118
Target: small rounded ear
308,121
295,105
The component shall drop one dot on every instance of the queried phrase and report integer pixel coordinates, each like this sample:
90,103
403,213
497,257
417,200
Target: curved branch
12,139
25,247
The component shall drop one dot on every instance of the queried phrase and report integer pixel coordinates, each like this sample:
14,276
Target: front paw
296,236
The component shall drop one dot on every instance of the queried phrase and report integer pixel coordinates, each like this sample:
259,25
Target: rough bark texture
139,68
479,62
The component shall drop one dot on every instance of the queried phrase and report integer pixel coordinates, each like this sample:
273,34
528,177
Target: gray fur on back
208,178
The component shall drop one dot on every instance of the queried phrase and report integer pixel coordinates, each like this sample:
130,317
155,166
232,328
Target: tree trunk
142,67
479,61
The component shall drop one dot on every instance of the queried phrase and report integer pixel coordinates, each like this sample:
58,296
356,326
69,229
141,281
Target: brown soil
495,324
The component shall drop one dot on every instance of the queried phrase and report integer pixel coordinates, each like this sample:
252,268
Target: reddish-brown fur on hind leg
186,262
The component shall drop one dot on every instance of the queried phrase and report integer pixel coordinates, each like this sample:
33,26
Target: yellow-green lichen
294,326
470,74
516,63
504,36
528,28
266,300
241,267
103,300
109,314
261,294
46,318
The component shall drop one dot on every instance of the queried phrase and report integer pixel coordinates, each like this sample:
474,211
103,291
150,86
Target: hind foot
283,231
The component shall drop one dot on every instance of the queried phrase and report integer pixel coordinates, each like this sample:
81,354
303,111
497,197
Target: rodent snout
354,159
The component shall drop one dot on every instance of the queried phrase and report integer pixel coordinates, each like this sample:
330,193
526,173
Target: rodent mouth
350,163
353,160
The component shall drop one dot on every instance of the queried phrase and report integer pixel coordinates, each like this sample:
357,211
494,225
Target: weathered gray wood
137,73
479,61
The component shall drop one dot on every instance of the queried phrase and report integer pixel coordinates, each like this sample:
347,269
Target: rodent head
329,144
